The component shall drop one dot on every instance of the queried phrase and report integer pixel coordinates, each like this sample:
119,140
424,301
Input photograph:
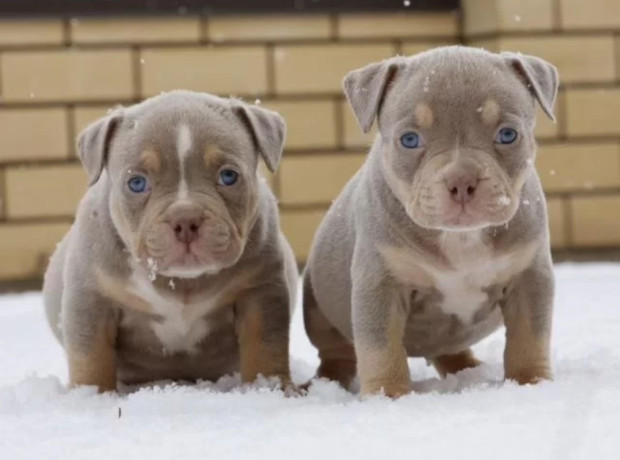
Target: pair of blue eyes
411,140
140,184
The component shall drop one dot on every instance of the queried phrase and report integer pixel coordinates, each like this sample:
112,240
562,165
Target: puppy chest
460,289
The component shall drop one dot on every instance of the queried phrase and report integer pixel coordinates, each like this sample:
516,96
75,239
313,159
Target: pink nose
186,228
462,188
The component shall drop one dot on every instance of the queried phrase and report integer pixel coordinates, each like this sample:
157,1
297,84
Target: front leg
89,336
263,322
379,319
528,315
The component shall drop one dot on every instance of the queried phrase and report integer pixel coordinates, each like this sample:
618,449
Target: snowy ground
473,415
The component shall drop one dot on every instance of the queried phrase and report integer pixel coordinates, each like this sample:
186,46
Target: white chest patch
182,325
472,267
184,146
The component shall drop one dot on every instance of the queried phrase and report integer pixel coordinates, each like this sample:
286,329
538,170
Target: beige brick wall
579,156
56,76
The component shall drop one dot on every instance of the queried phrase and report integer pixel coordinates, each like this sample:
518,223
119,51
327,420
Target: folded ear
540,76
267,129
93,144
365,89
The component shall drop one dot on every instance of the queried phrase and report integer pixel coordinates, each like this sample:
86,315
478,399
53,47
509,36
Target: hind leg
451,364
336,353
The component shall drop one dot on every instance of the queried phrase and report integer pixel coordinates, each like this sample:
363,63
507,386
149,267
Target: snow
472,415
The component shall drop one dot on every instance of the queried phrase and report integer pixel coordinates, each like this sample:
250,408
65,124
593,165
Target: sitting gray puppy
442,236
175,267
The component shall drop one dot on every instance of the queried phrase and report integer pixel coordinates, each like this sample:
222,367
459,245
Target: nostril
454,191
178,228
193,228
471,189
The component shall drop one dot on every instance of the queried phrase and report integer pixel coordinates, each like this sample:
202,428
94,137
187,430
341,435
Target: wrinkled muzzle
187,240
463,194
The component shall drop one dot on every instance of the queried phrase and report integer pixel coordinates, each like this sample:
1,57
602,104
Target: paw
392,390
530,376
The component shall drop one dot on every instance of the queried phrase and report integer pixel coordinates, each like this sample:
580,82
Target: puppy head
182,169
457,130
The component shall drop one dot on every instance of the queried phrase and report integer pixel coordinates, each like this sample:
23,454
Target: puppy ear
267,129
93,144
365,89
541,78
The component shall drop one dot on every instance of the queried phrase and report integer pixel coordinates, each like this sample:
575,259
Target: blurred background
63,64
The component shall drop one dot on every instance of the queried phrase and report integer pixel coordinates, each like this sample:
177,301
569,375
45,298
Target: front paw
391,389
530,376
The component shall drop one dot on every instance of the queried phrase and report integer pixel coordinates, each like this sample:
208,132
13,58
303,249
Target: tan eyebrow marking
212,155
490,112
424,115
150,160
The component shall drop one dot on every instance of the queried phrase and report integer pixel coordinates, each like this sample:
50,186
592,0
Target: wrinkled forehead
454,87
169,139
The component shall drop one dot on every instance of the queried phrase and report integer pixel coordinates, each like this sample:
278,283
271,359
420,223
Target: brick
2,194
321,68
30,32
566,167
45,191
316,179
578,58
128,30
595,220
353,134
618,55
26,248
593,14
592,112
409,48
489,16
310,124
557,222
224,71
299,228
67,75
281,27
397,25
33,134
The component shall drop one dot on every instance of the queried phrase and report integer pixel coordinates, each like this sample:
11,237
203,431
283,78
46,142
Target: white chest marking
182,325
472,267
184,145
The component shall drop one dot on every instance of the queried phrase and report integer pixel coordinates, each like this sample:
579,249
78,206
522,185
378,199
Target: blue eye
410,140
506,136
228,177
138,184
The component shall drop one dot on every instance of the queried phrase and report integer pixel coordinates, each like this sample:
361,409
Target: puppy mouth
209,253
450,216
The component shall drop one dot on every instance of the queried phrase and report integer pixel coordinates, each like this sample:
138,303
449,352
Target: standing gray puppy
175,267
442,236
